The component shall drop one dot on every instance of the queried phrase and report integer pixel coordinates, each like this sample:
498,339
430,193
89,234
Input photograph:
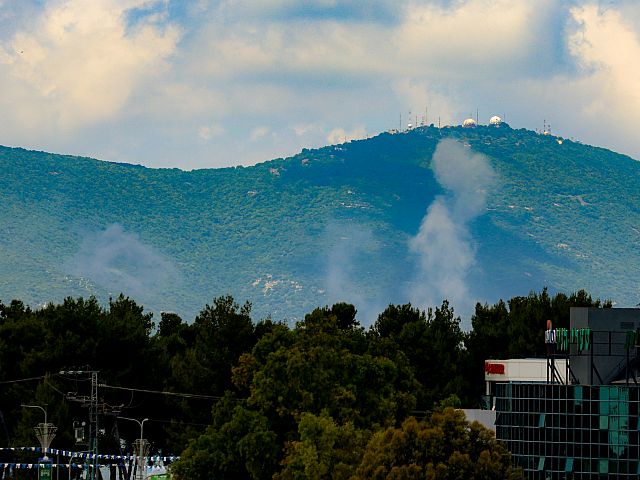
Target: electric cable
160,392
21,380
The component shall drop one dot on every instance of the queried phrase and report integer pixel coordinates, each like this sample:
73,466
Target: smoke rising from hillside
121,262
345,279
443,245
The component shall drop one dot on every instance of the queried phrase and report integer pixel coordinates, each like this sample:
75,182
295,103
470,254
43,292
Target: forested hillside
334,224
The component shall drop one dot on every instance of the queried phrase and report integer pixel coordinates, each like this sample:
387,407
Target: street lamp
142,454
36,406
44,431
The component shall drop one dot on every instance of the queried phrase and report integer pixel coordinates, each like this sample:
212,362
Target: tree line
324,398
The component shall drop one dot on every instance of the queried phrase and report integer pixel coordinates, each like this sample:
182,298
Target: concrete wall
486,418
523,370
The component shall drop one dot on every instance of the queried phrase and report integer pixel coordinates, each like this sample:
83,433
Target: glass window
541,420
568,466
541,464
603,466
604,422
577,394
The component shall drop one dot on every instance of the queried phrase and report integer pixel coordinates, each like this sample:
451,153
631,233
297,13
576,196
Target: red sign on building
494,368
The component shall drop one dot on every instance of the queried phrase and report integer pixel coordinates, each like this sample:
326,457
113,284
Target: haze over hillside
423,215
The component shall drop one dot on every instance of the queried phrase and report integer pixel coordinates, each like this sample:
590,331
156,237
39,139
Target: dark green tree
443,446
432,344
238,445
309,384
325,450
222,332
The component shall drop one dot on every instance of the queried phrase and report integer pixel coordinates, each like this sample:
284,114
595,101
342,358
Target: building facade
584,423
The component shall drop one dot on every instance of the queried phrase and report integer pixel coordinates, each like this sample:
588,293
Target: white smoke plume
121,262
443,245
345,279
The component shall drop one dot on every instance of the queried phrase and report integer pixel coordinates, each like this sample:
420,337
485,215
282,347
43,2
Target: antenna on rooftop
477,118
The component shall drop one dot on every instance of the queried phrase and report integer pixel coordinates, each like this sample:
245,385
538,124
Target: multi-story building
578,416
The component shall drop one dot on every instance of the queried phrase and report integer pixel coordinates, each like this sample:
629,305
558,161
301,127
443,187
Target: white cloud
258,133
305,128
340,135
206,132
608,48
432,105
79,63
93,81
454,41
599,102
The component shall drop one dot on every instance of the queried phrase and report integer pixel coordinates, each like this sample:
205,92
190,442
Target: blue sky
208,84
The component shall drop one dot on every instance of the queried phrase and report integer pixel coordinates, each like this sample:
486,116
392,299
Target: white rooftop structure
495,120
469,123
521,370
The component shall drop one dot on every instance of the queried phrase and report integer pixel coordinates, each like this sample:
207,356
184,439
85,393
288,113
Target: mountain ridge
324,225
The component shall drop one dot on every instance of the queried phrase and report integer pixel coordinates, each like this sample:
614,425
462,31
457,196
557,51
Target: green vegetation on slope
324,225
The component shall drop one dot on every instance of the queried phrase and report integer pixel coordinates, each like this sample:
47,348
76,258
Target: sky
202,84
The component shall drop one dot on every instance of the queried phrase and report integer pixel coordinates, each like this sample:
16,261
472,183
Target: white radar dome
469,123
495,120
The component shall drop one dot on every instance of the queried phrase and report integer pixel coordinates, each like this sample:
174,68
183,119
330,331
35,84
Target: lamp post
45,430
36,406
45,433
141,452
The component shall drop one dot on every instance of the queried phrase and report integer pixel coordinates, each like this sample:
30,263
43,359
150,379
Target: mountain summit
467,214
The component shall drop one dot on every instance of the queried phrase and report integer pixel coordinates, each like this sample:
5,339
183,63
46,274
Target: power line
113,387
176,422
159,392
53,387
22,380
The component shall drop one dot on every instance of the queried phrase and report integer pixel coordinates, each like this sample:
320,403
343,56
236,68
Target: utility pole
93,425
92,401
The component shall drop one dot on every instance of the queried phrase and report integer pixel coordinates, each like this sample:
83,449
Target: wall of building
608,351
570,431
